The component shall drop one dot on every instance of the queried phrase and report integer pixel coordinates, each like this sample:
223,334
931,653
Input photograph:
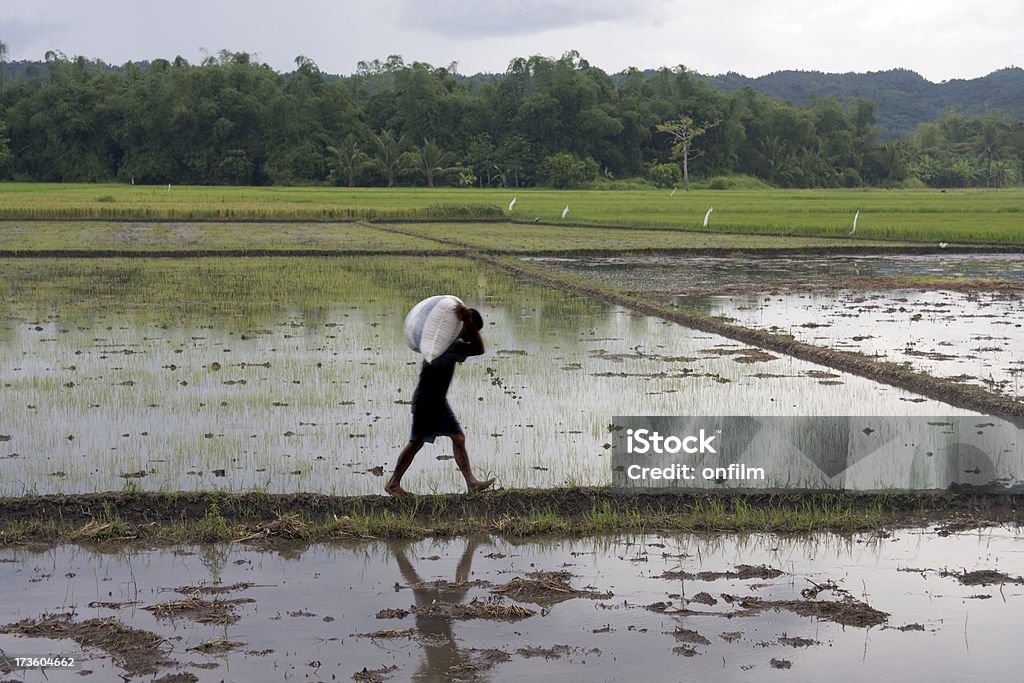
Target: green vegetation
249,293
964,216
555,122
527,238
36,201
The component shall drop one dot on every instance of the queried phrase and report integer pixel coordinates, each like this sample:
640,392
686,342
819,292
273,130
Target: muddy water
974,337
916,604
298,378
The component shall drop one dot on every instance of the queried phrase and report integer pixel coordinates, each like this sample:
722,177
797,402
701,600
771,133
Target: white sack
432,325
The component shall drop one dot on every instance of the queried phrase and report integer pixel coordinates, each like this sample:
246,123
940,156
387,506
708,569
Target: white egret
565,212
708,215
673,193
943,245
511,203
855,217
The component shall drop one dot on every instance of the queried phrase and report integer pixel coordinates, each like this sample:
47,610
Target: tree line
544,122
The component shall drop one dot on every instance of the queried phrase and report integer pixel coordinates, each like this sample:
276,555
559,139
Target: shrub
563,170
665,175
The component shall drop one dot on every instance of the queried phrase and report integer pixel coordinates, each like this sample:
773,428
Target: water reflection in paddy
910,604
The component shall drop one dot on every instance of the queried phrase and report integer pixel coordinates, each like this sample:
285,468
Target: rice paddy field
181,238
293,375
968,216
185,371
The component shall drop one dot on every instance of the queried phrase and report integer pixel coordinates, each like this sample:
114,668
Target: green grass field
963,216
530,238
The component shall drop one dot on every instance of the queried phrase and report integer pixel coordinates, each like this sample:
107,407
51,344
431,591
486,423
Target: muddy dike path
140,517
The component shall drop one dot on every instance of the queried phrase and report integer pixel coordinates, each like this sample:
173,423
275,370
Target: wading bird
511,203
708,215
855,217
565,212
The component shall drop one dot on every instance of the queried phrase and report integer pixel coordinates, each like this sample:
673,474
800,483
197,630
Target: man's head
478,320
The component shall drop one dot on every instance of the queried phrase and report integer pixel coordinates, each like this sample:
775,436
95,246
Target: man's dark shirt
436,376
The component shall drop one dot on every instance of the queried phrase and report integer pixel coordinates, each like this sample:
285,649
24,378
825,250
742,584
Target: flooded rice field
911,604
292,375
960,330
973,337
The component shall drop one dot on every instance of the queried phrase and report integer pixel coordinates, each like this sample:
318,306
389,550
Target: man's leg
462,460
394,485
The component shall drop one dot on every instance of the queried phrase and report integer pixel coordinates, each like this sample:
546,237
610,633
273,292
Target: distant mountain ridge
903,98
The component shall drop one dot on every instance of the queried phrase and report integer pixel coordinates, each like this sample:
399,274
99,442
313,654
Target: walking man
431,414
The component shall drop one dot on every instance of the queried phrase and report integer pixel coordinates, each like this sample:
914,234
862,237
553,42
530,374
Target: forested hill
903,99
551,122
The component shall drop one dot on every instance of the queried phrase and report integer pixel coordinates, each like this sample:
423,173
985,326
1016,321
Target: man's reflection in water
435,632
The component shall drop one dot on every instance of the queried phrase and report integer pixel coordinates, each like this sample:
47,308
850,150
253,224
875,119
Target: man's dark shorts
430,422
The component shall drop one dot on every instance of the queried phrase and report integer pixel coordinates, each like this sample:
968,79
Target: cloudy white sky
940,39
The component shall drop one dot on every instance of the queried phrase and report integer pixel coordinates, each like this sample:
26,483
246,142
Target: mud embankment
208,516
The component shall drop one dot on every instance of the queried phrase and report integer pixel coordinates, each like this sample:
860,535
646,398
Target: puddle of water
642,607
293,375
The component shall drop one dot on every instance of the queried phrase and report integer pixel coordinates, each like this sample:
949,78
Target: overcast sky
940,39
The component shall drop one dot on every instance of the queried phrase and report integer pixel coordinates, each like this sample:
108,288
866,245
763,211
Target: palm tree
990,145
391,155
779,160
349,158
432,161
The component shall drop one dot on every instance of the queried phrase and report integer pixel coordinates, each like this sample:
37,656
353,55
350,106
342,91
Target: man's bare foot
478,485
397,491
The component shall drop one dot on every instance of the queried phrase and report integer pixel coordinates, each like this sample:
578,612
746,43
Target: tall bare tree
683,131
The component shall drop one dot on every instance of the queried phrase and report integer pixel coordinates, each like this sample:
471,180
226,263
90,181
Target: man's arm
469,333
